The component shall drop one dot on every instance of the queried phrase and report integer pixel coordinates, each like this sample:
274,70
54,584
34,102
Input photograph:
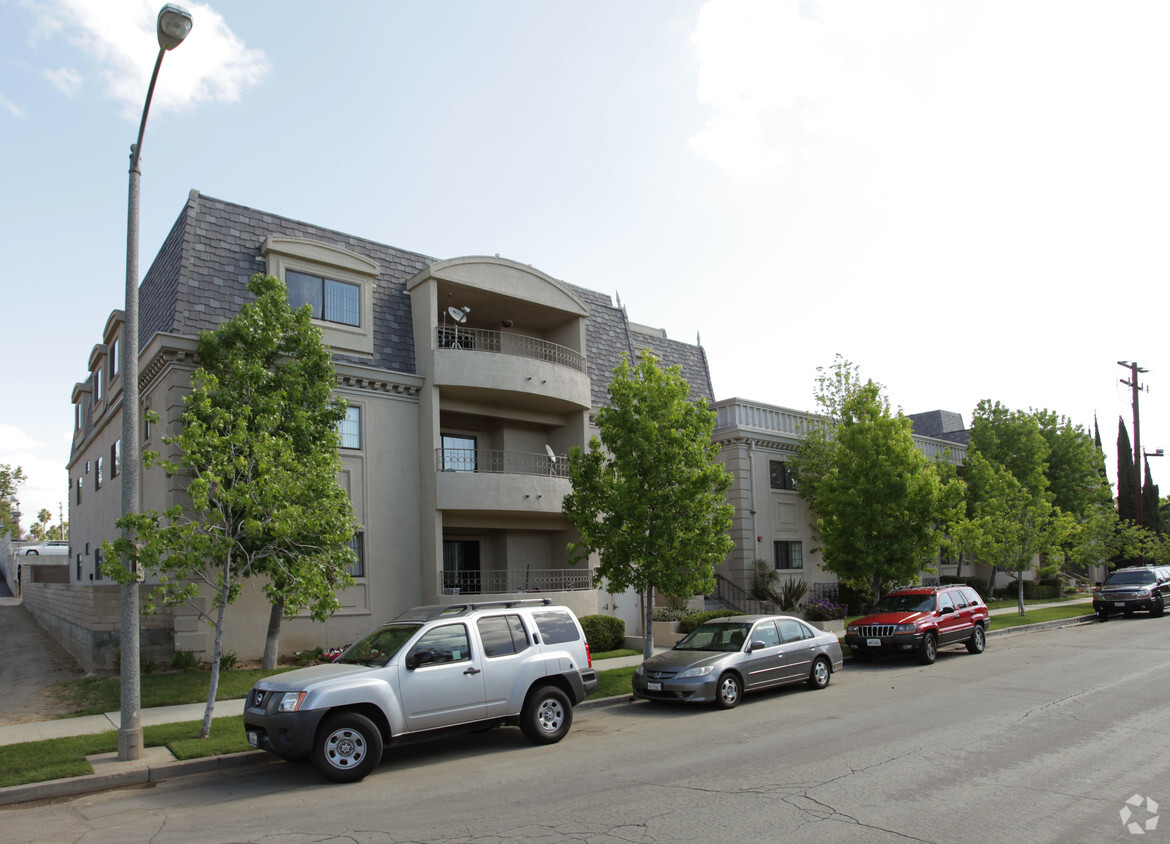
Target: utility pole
1135,371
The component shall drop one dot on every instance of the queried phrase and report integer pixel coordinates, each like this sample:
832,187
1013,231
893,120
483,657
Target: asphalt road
1041,738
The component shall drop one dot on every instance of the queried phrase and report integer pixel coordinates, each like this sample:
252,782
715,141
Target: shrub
790,594
695,619
308,657
672,614
603,632
182,660
855,599
822,609
148,666
228,660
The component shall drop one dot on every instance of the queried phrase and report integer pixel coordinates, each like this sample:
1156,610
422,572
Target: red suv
920,619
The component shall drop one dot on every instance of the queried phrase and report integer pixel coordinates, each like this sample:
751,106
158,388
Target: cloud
46,485
11,107
212,65
65,79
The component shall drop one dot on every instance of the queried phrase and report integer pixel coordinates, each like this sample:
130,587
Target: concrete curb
89,783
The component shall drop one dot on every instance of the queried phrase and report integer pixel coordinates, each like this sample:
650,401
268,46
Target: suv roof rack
433,611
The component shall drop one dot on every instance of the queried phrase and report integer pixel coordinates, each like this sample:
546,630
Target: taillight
588,655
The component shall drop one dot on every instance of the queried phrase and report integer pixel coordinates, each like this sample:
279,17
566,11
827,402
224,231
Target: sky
967,200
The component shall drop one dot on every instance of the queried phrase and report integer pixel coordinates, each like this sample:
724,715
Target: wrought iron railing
733,595
517,580
500,462
500,342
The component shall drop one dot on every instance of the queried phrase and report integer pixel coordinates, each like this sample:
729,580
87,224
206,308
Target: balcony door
461,565
458,453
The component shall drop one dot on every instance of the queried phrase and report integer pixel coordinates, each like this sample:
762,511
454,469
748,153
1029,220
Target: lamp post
173,25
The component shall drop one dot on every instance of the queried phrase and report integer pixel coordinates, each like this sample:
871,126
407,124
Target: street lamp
173,25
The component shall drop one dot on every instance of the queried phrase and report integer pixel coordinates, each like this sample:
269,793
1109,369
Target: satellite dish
551,454
458,315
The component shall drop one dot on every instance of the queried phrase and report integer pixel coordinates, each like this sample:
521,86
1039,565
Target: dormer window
113,358
332,301
97,385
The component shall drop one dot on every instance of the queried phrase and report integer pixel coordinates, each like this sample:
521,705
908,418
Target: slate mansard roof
199,277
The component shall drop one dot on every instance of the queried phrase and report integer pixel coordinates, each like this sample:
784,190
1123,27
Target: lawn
999,622
95,695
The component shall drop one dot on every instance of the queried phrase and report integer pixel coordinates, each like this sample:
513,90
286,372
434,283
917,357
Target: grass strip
38,761
1005,620
95,695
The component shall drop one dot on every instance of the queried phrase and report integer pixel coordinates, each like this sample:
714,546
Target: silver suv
432,671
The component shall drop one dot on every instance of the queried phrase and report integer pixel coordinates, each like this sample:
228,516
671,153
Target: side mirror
1098,584
946,610
756,645
419,658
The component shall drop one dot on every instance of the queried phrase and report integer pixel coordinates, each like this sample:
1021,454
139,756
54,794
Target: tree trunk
648,623
213,687
959,566
272,640
1020,587
991,584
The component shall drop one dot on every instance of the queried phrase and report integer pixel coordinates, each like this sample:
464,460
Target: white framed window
350,428
331,301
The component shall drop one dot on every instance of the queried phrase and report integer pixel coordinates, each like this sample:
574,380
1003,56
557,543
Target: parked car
920,619
51,548
1136,588
720,660
433,671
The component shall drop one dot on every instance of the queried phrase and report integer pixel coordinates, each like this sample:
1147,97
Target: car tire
820,674
33,553
728,691
928,649
1157,608
1102,615
348,747
547,715
978,641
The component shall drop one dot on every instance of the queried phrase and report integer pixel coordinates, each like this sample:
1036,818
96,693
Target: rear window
556,627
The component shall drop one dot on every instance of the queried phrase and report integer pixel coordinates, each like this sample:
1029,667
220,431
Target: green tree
1126,492
1011,516
10,483
881,508
649,495
258,446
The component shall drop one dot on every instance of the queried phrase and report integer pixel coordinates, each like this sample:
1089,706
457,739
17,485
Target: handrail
736,596
517,580
494,461
506,343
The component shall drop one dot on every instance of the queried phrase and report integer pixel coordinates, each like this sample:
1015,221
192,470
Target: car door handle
472,670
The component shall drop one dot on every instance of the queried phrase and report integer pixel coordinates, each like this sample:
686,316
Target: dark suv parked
920,619
1137,588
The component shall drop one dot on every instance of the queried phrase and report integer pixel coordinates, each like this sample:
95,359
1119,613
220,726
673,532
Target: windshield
378,648
715,636
904,603
1130,577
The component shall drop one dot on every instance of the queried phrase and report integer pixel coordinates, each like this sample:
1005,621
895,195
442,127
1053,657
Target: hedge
603,632
692,621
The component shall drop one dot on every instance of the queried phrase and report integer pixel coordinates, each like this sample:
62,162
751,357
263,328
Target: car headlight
638,672
291,701
697,671
903,628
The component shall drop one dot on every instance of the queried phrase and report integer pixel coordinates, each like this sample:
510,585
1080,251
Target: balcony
517,581
499,342
500,462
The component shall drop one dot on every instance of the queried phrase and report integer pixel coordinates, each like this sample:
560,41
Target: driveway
31,664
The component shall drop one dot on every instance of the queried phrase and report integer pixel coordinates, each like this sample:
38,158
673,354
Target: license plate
1119,603
873,643
253,740
653,687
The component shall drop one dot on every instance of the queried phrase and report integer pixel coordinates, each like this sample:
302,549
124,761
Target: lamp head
174,22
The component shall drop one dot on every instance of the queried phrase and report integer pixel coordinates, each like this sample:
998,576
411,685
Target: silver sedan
723,658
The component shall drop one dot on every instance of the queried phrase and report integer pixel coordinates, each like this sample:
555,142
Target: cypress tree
1126,503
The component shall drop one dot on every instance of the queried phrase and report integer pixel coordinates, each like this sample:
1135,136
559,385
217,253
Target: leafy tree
10,482
1011,516
259,446
881,507
649,495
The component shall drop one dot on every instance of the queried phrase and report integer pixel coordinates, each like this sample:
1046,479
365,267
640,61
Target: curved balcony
479,364
487,480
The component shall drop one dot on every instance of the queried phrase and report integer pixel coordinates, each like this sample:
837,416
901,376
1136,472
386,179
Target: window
350,428
358,545
766,632
461,565
458,453
80,481
780,476
332,301
787,555
97,475
445,644
113,358
945,602
556,627
77,417
792,630
502,635
97,385
115,458
79,567
97,563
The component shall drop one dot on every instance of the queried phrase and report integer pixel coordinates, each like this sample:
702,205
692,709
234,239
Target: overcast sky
968,200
